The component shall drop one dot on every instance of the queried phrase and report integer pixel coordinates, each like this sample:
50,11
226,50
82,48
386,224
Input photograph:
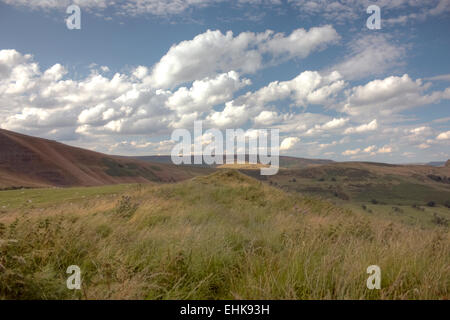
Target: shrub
341,195
440,220
125,207
431,204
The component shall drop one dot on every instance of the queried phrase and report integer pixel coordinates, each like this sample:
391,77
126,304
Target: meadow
221,236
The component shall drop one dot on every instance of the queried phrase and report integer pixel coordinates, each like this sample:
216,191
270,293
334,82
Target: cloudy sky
138,69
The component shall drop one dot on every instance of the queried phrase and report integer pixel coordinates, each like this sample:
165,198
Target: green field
222,236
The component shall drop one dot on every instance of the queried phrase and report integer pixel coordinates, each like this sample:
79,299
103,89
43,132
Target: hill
222,236
285,162
417,194
34,162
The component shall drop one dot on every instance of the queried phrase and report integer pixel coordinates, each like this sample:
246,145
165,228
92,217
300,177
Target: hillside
416,194
222,236
34,162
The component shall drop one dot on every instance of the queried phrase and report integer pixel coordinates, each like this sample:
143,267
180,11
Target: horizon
442,162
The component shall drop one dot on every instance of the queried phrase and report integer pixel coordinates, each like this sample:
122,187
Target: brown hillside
33,162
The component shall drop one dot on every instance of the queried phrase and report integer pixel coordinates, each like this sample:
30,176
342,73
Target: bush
125,207
431,204
440,220
374,201
447,204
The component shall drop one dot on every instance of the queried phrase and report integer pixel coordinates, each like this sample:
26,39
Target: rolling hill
27,161
221,236
285,161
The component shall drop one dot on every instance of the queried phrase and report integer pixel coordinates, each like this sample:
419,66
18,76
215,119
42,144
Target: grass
45,197
365,186
222,236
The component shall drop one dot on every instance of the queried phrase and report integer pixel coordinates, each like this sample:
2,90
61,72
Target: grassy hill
222,236
34,162
415,194
285,162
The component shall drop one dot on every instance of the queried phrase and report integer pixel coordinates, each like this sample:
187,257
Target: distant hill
285,162
27,161
436,164
366,181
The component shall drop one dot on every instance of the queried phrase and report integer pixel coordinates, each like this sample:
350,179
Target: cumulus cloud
123,107
443,136
309,87
371,126
288,143
266,118
206,93
213,52
335,123
368,151
389,96
231,116
385,149
352,152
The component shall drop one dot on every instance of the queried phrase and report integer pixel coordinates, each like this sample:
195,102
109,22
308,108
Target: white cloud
288,143
213,52
107,107
351,152
206,93
309,87
369,149
443,136
389,96
231,116
60,4
335,123
385,149
266,118
442,77
393,11
370,55
423,146
371,126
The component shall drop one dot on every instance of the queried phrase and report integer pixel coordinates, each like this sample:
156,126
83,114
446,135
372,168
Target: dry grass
224,236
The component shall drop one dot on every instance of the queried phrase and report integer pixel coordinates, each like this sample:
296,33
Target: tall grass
224,236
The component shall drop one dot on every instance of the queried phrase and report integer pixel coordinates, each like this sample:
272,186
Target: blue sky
139,69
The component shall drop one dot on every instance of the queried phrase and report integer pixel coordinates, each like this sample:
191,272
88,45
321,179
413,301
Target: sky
139,69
